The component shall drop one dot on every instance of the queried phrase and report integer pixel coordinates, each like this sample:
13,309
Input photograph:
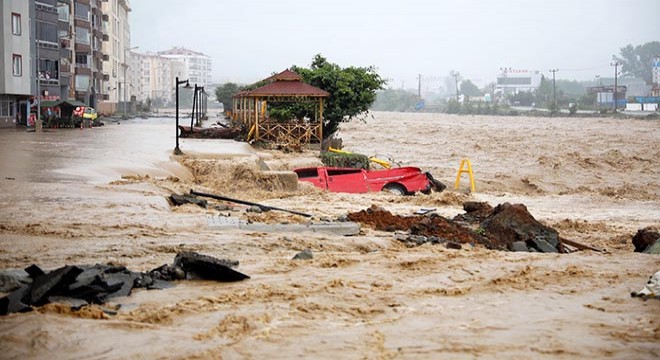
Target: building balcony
83,70
65,68
49,82
83,23
83,47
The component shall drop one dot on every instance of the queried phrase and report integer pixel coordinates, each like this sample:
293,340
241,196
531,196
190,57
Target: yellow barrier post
461,171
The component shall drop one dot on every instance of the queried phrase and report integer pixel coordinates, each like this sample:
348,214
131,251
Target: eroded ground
368,296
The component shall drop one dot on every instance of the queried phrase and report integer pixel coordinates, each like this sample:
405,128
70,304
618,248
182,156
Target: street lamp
125,68
197,106
177,150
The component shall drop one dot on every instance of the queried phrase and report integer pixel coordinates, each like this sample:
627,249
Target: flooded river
74,196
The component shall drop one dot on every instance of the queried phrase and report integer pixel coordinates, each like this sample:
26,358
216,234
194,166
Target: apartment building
153,77
47,49
196,65
16,72
117,84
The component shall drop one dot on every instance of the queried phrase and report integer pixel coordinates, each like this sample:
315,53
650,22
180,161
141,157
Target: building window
63,12
15,23
82,82
82,35
6,106
82,11
17,65
46,32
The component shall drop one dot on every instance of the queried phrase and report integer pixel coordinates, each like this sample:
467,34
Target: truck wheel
396,189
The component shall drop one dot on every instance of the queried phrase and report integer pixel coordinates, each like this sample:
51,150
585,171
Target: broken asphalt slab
79,285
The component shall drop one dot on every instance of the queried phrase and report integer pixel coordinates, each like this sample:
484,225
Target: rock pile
80,285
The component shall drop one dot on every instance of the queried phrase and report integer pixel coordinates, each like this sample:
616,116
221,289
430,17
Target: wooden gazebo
251,109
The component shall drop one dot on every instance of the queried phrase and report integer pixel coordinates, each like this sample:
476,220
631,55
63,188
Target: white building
117,83
656,70
513,81
196,65
154,76
16,67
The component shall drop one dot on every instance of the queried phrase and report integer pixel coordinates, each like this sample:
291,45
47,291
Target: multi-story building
513,81
196,65
656,70
154,77
16,71
47,49
81,34
116,64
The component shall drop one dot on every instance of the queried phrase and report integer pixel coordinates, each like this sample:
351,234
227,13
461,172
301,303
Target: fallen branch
244,202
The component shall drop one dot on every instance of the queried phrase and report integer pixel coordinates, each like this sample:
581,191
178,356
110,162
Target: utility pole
616,73
419,86
554,89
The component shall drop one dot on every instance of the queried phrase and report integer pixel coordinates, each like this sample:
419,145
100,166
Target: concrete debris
475,212
183,199
651,289
198,266
85,284
417,240
12,279
511,223
519,246
340,227
304,255
645,238
453,245
653,249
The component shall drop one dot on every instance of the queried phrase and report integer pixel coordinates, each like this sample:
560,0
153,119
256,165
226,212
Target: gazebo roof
285,84
286,75
288,88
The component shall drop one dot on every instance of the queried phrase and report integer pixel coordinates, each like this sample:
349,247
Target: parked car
89,114
400,181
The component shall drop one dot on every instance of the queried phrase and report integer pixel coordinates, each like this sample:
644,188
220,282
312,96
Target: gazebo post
321,120
256,118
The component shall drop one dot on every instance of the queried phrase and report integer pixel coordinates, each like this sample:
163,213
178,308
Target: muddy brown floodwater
99,196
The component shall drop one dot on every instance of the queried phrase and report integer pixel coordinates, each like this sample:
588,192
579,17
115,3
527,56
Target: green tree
469,89
352,90
637,61
543,93
224,94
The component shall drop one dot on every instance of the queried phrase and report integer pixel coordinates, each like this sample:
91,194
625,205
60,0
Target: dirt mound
434,225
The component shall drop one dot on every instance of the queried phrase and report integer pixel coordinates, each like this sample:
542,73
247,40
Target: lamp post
194,106
125,68
177,150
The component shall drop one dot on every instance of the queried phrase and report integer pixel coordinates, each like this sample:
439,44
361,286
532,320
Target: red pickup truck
400,181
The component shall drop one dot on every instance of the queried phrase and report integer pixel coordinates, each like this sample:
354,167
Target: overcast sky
248,40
